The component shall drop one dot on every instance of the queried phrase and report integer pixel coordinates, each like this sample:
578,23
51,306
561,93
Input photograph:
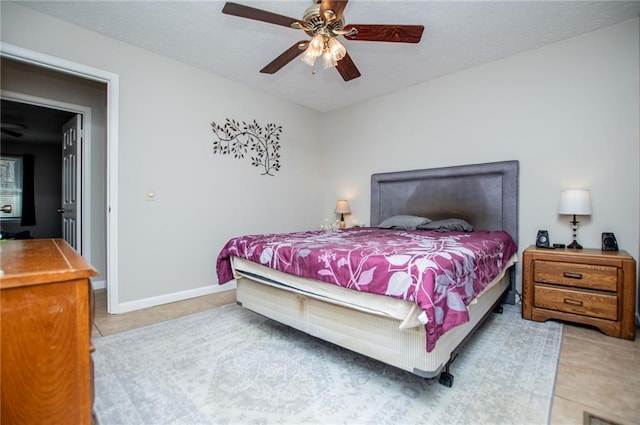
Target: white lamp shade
574,201
337,49
342,207
314,50
327,60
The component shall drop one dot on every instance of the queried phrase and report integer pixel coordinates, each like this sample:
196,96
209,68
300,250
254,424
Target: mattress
409,314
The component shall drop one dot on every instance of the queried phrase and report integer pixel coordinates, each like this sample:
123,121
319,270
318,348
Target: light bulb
327,59
314,50
337,49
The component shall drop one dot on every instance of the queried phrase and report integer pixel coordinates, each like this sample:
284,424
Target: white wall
170,245
568,112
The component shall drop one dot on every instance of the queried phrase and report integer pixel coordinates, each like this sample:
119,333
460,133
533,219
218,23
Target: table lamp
574,202
342,208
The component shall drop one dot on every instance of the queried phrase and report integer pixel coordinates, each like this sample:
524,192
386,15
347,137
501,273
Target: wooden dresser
588,286
46,314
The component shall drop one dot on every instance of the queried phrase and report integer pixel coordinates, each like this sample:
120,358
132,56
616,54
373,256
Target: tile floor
599,374
596,373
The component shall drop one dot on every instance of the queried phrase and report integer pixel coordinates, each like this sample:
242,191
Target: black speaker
609,242
542,240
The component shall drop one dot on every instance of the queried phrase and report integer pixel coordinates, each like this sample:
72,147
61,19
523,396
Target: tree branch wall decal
235,138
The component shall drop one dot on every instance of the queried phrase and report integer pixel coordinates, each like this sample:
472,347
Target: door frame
113,91
85,157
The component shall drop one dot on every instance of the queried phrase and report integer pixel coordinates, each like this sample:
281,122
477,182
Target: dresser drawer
603,278
594,304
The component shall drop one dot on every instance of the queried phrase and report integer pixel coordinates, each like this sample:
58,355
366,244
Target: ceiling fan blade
10,132
389,33
347,68
248,12
332,9
290,54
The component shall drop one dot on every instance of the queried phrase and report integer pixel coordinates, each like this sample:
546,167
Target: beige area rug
232,366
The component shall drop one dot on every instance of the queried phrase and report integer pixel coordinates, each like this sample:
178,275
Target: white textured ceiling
458,35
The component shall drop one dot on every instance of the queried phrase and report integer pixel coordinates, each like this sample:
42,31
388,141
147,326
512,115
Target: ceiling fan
12,129
324,23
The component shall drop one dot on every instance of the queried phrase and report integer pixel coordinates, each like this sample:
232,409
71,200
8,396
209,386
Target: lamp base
574,227
574,245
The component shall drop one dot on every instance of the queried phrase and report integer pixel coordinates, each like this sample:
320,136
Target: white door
71,182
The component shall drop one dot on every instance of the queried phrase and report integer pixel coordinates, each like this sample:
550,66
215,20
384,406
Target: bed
396,328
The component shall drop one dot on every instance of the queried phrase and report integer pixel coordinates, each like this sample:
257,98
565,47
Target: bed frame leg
446,378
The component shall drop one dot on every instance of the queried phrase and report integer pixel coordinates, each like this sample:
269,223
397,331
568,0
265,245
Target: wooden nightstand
588,286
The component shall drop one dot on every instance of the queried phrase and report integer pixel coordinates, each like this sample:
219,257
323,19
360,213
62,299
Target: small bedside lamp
342,208
574,202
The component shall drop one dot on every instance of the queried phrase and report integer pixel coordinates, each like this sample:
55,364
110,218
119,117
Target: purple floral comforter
441,272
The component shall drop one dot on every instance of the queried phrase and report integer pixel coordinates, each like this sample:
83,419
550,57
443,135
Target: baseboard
173,297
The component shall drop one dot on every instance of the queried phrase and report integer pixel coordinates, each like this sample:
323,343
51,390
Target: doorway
33,128
103,203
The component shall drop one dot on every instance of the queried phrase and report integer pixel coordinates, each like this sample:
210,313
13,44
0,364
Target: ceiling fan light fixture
324,22
328,61
337,49
314,50
329,15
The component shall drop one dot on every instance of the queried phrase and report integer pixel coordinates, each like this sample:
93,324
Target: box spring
372,334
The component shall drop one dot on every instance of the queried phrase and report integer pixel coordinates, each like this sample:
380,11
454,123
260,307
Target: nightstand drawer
603,278
594,304
587,286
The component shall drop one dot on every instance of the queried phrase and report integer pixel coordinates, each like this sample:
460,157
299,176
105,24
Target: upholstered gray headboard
485,195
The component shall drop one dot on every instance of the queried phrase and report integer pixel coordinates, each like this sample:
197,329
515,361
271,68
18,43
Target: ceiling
35,124
457,36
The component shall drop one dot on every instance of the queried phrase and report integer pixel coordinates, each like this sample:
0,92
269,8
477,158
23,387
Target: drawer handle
92,348
572,275
573,302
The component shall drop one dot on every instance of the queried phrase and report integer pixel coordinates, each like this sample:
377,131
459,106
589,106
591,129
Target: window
11,186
